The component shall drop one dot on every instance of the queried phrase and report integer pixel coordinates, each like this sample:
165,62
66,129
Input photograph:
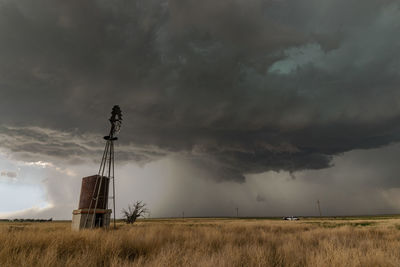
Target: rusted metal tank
89,189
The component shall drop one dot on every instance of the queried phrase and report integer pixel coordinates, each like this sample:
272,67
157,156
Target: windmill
93,204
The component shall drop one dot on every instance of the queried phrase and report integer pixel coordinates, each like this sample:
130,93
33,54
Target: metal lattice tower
106,170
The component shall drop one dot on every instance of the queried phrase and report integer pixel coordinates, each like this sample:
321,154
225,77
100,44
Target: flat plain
362,241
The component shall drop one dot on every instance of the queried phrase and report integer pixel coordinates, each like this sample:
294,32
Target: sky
262,105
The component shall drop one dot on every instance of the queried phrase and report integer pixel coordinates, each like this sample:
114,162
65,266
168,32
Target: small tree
138,209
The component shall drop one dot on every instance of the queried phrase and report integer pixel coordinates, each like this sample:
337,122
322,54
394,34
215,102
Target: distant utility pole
319,208
183,215
237,212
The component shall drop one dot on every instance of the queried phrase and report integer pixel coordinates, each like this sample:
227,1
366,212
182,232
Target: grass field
373,241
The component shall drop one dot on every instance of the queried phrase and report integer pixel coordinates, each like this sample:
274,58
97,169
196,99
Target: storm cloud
236,87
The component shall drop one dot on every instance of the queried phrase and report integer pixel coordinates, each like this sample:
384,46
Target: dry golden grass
205,242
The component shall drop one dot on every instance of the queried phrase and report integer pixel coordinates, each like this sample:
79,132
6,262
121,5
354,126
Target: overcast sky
264,105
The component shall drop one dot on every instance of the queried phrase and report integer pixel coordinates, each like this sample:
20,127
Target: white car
291,218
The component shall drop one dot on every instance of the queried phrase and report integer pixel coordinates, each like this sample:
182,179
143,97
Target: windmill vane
116,121
116,112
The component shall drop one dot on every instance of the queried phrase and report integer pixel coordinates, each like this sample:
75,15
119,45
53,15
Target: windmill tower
93,208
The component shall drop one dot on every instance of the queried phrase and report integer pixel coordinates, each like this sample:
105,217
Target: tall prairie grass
204,242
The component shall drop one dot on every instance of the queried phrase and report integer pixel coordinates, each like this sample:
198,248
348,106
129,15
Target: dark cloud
25,143
235,86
